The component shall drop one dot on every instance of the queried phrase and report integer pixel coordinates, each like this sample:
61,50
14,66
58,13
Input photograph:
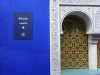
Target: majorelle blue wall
24,57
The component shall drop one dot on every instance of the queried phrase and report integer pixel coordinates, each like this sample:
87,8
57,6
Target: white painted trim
54,38
50,19
92,50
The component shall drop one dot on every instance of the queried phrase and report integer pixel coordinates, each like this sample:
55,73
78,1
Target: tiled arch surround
57,13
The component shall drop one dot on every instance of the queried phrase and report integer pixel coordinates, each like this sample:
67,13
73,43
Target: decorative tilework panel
74,50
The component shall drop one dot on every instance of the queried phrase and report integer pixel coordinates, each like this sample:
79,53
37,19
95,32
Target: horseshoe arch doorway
74,43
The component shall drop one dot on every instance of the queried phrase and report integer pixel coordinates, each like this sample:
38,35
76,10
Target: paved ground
80,72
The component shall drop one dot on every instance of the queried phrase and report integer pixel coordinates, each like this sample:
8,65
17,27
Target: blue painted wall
30,57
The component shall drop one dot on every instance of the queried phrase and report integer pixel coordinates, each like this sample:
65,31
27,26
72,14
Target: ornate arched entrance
74,43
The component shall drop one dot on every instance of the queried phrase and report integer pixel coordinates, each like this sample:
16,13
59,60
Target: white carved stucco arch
76,12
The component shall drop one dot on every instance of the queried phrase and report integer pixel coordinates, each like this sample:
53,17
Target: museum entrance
74,43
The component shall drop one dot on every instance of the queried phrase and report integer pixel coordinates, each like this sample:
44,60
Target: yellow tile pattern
74,50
